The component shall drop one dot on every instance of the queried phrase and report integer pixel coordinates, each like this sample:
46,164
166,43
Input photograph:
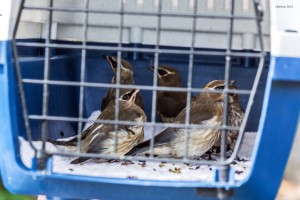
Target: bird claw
127,162
218,149
208,157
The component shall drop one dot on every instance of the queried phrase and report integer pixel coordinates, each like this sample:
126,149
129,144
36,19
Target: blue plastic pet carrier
53,77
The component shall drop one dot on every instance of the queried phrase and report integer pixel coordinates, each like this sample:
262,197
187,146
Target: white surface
285,17
211,33
285,44
5,22
151,171
92,117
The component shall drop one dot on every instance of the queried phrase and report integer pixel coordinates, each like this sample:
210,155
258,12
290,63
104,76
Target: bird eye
219,87
162,72
126,97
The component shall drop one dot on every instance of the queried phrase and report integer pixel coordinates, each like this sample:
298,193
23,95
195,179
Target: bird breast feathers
203,135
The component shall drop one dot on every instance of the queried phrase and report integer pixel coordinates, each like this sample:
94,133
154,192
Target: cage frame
279,82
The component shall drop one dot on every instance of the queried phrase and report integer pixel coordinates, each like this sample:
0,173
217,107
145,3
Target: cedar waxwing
100,138
126,78
235,115
169,103
207,109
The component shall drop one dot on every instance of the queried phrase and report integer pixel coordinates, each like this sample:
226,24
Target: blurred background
290,186
5,195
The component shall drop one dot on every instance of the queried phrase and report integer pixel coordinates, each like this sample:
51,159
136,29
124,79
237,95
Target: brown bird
100,138
169,103
205,110
74,140
235,115
126,78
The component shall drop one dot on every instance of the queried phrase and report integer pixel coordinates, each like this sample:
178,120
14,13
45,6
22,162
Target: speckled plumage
100,138
234,119
207,109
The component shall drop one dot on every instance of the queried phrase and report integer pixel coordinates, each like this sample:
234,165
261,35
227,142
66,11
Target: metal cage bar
82,74
154,88
143,50
141,87
147,13
46,74
119,55
41,156
224,170
258,13
19,77
121,122
189,83
155,74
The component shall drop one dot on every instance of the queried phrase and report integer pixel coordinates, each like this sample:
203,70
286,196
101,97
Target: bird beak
109,58
151,68
112,61
133,96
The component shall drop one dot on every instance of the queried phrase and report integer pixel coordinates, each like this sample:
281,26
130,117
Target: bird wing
161,139
94,135
73,141
94,147
101,132
97,133
200,114
95,142
169,106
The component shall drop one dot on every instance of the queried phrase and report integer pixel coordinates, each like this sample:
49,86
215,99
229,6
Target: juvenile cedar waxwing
126,78
207,109
169,103
235,115
74,140
100,138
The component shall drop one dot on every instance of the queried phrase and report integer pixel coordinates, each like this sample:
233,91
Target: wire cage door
68,91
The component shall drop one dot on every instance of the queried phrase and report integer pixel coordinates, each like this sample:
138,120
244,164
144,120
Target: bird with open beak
126,78
206,110
169,103
100,138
